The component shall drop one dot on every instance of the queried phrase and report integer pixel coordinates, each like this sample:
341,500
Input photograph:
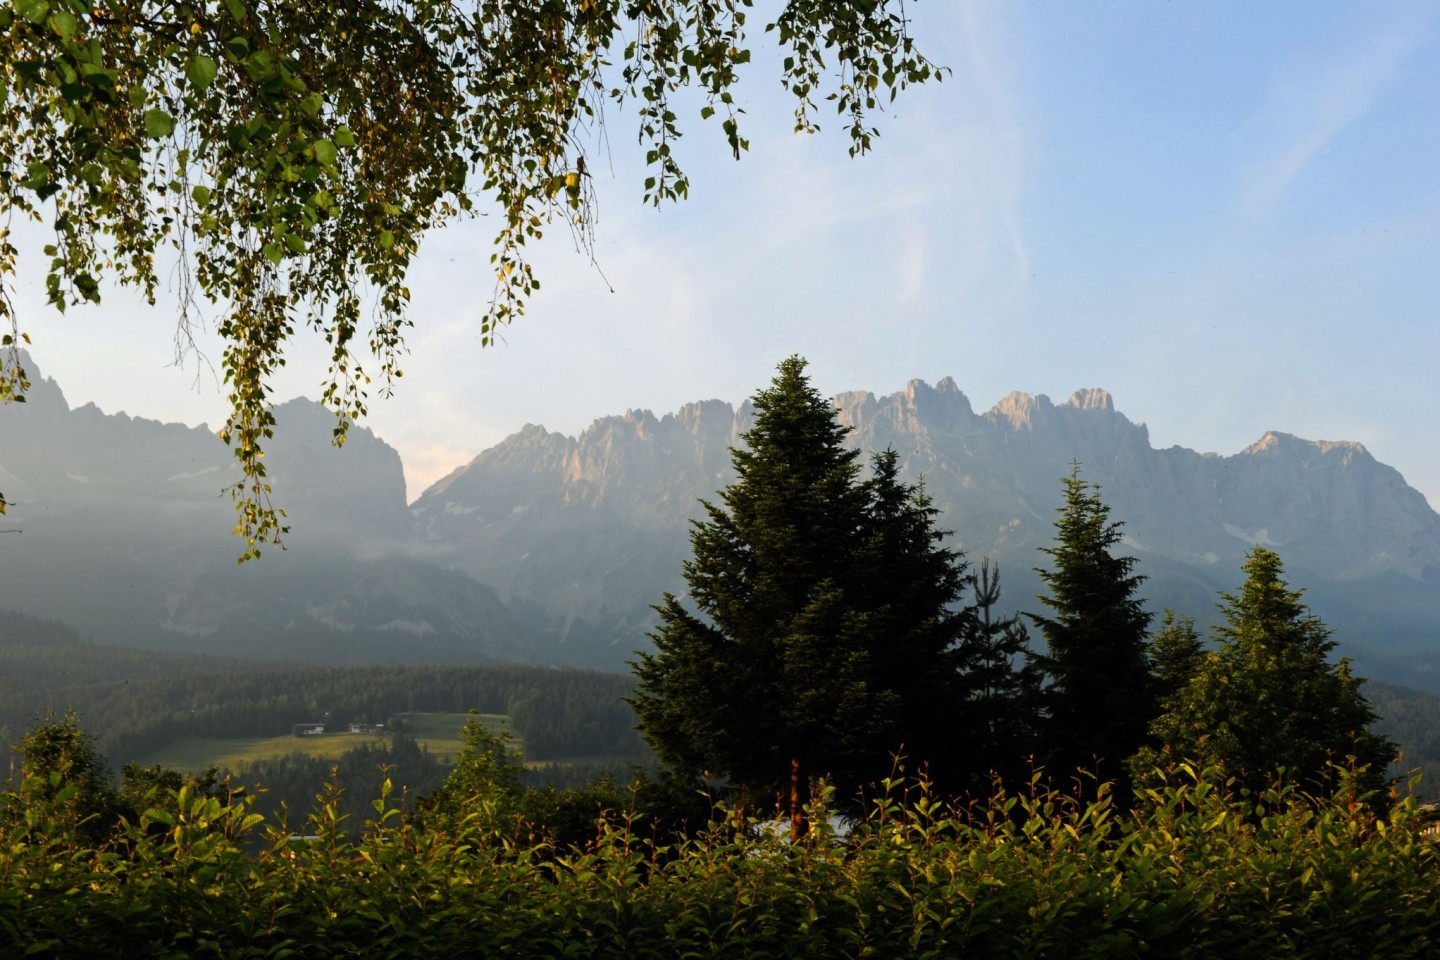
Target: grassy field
200,753
437,732
440,732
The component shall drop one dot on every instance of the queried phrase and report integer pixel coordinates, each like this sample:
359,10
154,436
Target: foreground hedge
1196,872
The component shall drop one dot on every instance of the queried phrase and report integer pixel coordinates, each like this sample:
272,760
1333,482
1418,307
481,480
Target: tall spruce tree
909,588
1003,685
1270,699
1176,654
1099,700
824,620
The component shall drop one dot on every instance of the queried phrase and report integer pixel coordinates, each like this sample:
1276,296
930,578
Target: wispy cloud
910,265
1324,92
1006,167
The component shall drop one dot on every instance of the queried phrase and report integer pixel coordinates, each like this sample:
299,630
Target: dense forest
134,701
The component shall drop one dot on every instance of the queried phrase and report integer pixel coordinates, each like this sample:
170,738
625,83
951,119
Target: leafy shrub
1199,868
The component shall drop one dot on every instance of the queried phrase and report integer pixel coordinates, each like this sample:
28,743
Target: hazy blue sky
1227,214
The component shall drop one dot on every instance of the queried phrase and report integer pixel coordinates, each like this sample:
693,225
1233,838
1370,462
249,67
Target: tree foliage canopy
826,622
485,778
1003,687
64,771
288,156
1099,696
1269,699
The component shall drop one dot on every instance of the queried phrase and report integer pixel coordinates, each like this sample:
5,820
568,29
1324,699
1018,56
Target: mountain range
124,534
551,548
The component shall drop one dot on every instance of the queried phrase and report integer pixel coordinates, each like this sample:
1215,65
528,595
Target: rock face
1329,507
125,536
581,535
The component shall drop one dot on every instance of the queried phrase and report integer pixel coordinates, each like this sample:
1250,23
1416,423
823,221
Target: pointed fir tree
823,616
1176,654
1269,704
1098,699
911,587
1003,688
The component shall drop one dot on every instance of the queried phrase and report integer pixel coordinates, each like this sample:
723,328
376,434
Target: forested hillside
137,701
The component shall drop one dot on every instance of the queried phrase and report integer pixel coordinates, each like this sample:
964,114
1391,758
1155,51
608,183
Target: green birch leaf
201,71
158,123
33,10
63,23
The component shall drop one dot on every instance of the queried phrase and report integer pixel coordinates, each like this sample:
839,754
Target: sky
1226,214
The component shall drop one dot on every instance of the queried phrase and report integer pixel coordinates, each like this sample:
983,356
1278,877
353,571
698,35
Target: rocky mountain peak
856,409
1092,398
331,487
1021,410
706,417
127,539
1276,443
44,393
942,404
949,393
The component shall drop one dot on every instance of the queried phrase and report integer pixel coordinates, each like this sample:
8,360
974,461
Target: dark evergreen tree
1176,654
824,622
910,588
1269,699
1099,700
1003,685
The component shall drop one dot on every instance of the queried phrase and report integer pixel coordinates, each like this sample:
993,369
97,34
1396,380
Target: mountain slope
125,537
